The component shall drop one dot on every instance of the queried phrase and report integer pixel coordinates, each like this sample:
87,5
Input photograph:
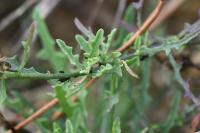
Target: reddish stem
144,27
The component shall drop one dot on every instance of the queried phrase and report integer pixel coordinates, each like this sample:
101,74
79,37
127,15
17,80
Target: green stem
40,76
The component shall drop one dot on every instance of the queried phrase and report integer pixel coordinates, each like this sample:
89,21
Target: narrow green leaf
96,42
43,32
84,45
27,44
128,18
137,43
3,94
74,59
170,122
69,127
107,45
63,101
48,52
116,126
145,130
87,32
113,100
144,85
117,66
56,128
73,89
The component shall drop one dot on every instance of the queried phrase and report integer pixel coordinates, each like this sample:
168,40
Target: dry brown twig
35,115
125,46
45,108
144,27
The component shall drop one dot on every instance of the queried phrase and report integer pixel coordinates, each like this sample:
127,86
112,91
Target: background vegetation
99,66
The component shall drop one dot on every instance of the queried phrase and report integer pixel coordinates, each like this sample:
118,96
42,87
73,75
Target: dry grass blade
17,13
133,74
45,7
120,10
167,10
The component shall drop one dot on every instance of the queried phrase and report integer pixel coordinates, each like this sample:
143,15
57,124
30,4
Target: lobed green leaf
74,59
96,42
84,45
106,46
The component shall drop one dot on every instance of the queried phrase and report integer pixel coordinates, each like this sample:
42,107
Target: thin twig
120,10
94,13
182,82
128,27
167,10
45,7
144,27
35,115
46,107
15,14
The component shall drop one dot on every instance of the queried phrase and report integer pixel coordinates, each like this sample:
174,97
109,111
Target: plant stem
40,76
144,27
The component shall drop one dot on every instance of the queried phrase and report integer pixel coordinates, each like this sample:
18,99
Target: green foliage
48,52
88,64
96,42
61,95
56,128
27,44
128,18
117,93
116,126
84,45
103,69
69,127
170,121
91,47
2,92
106,46
74,59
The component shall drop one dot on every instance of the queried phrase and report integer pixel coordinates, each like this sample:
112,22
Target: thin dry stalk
120,10
144,27
15,14
167,10
35,115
